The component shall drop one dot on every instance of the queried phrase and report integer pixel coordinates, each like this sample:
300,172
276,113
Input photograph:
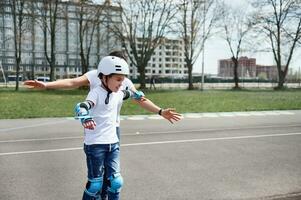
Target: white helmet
112,65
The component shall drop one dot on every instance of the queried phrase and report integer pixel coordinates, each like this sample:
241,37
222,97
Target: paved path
219,156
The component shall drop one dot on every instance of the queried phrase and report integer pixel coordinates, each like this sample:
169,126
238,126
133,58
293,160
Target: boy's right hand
83,114
35,84
89,124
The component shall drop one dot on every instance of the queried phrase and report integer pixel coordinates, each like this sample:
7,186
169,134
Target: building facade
268,72
247,68
67,51
168,60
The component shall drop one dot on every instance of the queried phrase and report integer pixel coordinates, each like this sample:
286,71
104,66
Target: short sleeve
92,96
93,79
127,84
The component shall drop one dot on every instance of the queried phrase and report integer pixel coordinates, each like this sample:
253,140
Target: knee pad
94,186
116,182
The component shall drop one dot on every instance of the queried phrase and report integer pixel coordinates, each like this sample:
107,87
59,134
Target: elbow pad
126,94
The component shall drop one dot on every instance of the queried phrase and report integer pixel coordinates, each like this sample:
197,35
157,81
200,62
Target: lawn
60,103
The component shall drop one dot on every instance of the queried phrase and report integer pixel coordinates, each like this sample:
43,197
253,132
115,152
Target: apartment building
268,72
67,51
247,68
168,60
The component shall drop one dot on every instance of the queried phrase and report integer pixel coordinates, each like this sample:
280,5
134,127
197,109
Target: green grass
60,103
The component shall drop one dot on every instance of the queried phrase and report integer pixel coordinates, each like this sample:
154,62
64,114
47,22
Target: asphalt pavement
216,156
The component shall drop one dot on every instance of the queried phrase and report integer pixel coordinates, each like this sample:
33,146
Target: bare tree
32,20
280,21
89,19
236,24
144,24
17,11
48,12
4,39
197,18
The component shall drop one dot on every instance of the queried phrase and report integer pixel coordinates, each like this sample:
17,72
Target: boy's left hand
171,115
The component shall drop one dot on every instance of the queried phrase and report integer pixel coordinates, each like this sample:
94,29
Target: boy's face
114,82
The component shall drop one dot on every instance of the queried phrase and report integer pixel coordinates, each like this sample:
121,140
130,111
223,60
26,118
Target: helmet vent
118,68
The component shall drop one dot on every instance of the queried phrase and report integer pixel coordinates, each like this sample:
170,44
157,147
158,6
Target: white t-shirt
104,116
95,81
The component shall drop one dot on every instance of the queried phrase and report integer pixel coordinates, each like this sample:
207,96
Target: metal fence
162,86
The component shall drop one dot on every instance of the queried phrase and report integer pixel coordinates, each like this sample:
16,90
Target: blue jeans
106,182
100,158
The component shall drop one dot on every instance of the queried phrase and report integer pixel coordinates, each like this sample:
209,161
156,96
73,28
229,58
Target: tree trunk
235,77
83,62
190,80
52,67
142,77
17,74
281,80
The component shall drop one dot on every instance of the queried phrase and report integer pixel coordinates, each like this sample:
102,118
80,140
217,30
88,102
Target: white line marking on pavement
31,126
159,142
155,117
40,151
151,133
41,139
211,139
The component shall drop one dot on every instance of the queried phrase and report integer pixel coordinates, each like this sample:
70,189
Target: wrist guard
82,111
137,95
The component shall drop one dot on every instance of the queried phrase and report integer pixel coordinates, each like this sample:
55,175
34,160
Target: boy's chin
115,89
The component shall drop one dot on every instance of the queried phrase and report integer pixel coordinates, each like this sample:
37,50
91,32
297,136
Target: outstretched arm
59,84
169,113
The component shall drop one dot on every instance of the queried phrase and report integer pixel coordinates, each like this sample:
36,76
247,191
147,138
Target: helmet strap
104,84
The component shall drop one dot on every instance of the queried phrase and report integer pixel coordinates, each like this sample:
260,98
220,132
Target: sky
216,48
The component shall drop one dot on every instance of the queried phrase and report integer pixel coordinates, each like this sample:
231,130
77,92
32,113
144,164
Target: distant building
68,62
268,72
168,60
247,68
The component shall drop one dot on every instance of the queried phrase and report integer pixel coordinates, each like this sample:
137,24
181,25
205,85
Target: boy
98,115
90,79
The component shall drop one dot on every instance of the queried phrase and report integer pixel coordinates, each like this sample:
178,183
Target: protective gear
126,94
112,65
137,95
82,111
116,182
93,186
